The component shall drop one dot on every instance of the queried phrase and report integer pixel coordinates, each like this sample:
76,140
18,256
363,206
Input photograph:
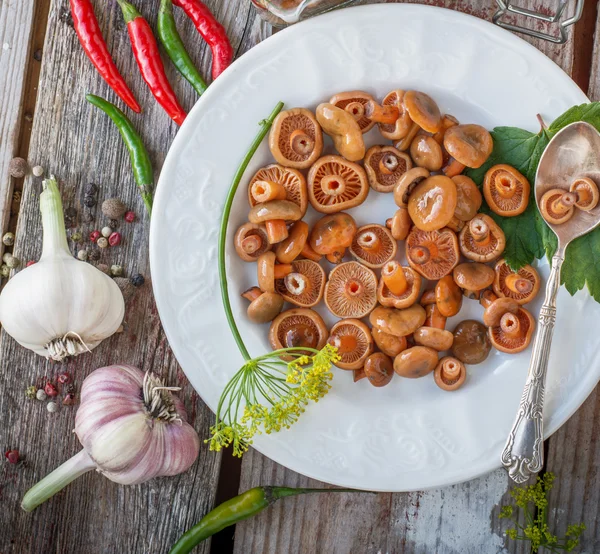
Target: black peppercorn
89,201
88,216
70,388
71,212
91,190
94,255
137,280
113,224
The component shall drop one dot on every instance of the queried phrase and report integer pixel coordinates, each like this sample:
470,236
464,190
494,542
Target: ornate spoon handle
523,454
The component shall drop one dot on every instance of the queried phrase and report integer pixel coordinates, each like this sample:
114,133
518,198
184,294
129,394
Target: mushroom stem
505,186
265,191
587,193
453,168
282,270
404,144
420,254
369,241
510,325
480,231
564,203
252,294
394,278
450,371
251,244
333,185
295,283
455,224
433,317
308,253
388,163
301,143
353,288
344,343
487,298
518,284
355,109
276,230
387,115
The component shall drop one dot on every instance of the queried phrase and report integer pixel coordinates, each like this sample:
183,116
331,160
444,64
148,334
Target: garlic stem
57,480
53,222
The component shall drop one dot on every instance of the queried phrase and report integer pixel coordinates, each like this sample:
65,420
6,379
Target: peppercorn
88,216
30,263
38,170
137,280
13,263
50,389
89,201
113,223
7,256
70,388
17,168
95,235
76,237
41,395
106,232
130,217
127,289
52,407
71,212
4,271
64,378
8,239
91,189
82,255
102,242
69,399
12,456
116,270
30,392
113,208
103,268
94,255
114,239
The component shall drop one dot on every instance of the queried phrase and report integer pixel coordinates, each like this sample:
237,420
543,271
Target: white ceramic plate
409,435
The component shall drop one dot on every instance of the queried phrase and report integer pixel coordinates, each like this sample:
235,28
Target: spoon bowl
573,152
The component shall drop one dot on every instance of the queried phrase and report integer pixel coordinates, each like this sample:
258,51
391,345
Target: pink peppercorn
95,235
50,389
30,262
12,456
114,239
69,399
64,378
130,217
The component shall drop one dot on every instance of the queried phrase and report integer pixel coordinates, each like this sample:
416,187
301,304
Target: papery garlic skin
60,306
128,444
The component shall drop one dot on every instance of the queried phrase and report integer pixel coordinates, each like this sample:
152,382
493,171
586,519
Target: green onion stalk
267,394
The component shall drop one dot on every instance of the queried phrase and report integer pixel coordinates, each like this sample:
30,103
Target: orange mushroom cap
415,362
332,234
448,296
291,179
469,198
351,290
423,111
482,239
390,300
407,183
399,129
522,286
433,254
450,374
354,103
353,340
400,323
506,190
389,344
432,203
379,369
557,206
514,332
335,184
470,145
471,342
426,152
373,245
298,327
385,165
296,139
303,287
251,241
587,193
473,276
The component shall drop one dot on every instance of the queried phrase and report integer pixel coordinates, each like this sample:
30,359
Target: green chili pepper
140,161
240,507
170,39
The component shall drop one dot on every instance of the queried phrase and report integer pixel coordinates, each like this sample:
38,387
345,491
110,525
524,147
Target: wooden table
44,118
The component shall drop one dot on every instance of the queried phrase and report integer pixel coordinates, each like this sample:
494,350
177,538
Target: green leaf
590,113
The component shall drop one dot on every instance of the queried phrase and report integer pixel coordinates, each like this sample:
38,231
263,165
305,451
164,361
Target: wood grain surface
93,515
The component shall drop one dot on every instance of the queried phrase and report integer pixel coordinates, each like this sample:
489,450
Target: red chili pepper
212,32
145,50
90,37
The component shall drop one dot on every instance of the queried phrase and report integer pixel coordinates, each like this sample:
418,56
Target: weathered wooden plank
16,30
462,518
74,141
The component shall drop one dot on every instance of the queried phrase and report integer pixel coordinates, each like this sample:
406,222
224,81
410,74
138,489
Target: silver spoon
573,152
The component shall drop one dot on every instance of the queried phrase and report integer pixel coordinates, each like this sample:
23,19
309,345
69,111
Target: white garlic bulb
60,306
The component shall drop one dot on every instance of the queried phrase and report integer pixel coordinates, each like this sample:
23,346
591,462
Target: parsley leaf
527,235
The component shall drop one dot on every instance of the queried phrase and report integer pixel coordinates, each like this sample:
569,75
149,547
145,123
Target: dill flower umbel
268,395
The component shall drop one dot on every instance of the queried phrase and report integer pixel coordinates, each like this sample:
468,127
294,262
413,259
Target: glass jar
285,12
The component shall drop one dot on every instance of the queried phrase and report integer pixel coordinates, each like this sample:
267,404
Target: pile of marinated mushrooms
453,251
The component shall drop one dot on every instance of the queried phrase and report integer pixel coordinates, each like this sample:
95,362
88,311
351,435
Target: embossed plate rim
178,192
